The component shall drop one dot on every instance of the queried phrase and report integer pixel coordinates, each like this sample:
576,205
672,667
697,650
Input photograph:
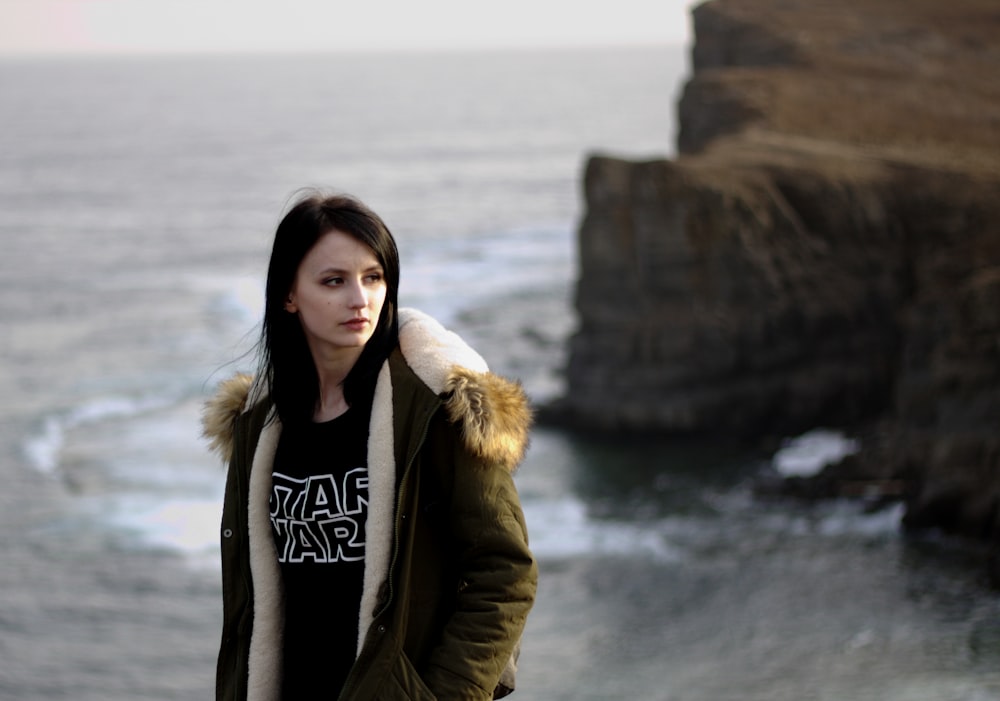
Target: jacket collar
492,411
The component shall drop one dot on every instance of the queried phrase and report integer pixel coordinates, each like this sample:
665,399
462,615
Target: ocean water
137,202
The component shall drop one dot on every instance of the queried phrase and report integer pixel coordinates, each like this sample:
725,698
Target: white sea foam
835,519
186,526
446,277
145,477
43,448
241,297
809,453
850,520
563,529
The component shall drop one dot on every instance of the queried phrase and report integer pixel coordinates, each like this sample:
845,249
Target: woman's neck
332,371
330,405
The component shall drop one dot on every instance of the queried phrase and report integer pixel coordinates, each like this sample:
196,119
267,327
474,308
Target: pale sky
113,26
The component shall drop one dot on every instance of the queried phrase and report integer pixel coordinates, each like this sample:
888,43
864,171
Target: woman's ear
290,305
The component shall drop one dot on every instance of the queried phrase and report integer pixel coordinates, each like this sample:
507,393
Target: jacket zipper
399,504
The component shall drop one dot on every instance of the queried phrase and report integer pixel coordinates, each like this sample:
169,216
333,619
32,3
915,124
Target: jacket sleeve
497,581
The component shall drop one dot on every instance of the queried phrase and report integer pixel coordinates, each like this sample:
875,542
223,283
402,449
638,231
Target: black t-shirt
319,503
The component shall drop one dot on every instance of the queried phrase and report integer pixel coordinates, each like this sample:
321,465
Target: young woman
373,545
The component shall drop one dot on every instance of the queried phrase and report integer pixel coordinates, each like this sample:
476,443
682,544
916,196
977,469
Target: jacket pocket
403,682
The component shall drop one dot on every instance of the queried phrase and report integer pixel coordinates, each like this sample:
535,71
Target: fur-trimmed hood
492,411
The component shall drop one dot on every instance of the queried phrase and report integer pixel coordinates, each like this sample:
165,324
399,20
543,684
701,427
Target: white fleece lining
264,683
432,350
381,497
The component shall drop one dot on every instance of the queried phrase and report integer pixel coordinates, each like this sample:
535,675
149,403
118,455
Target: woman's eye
333,281
375,277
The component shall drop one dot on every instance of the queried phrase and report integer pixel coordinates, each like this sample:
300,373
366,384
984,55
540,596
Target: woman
373,545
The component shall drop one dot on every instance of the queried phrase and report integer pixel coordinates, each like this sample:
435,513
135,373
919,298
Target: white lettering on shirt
319,519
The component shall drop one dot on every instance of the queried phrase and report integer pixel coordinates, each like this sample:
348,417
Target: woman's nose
359,297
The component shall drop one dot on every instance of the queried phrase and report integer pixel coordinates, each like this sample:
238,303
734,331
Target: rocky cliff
824,252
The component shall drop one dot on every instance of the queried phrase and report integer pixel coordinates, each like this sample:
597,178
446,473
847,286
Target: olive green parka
448,578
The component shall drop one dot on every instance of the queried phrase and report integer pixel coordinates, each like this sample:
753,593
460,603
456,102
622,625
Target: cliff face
825,251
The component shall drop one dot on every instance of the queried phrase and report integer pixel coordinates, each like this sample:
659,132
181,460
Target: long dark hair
285,361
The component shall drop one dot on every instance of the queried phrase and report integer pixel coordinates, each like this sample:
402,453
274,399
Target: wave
446,278
138,473
188,527
160,490
43,449
561,529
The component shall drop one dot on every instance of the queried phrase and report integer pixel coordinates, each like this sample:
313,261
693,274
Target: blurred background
148,151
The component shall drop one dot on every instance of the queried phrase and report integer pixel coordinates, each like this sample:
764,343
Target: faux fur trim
493,415
221,411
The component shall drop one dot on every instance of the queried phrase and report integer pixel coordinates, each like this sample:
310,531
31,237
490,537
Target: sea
138,197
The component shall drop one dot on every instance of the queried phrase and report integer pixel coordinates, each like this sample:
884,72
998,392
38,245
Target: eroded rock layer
824,252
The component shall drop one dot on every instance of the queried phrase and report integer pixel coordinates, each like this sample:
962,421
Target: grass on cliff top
900,78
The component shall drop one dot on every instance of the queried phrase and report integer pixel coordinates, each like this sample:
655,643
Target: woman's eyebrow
342,271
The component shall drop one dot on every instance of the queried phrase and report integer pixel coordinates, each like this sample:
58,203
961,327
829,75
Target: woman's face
338,293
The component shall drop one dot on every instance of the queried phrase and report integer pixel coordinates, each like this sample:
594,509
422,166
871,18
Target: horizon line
357,51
